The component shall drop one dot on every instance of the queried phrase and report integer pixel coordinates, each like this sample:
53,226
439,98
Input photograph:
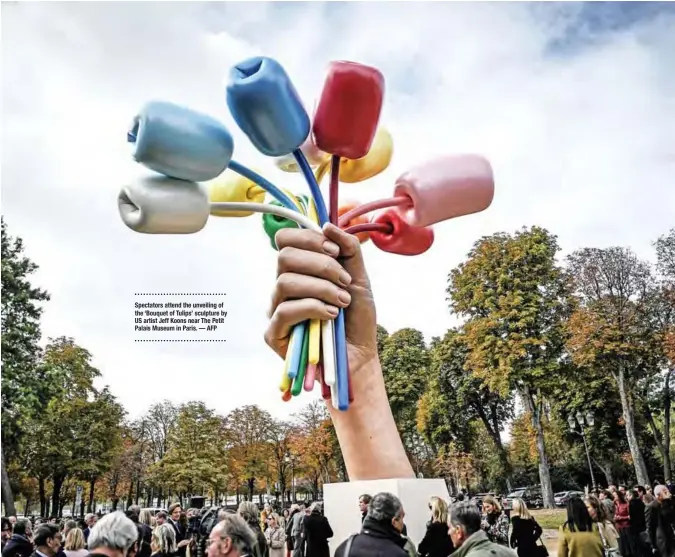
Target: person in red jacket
627,546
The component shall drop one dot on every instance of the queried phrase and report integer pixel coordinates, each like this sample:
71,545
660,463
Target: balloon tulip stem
370,227
283,212
257,179
313,186
334,188
402,201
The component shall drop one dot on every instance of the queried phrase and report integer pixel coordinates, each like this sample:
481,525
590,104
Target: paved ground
550,539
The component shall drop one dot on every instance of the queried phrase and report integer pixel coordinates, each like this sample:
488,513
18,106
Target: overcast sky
574,106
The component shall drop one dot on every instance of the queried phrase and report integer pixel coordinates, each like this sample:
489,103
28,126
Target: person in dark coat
525,530
250,513
436,542
638,524
6,531
47,541
364,501
660,519
380,535
19,544
295,509
316,532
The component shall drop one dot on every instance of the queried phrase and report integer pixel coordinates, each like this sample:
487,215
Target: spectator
641,491
75,546
113,536
232,537
174,519
468,538
20,544
364,501
607,499
526,531
6,531
627,547
596,510
163,541
251,515
160,518
293,511
12,521
494,521
578,536
296,532
90,520
47,540
638,525
436,542
381,531
267,511
67,527
660,519
275,536
316,532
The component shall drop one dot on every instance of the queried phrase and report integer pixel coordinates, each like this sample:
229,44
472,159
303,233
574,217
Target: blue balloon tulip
267,107
179,142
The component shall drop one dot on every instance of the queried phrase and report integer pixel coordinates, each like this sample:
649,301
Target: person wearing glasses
231,537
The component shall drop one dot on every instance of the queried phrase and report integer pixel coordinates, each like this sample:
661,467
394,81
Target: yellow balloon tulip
377,160
230,187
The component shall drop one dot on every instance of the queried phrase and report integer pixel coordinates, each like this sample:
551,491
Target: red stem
333,190
369,227
374,206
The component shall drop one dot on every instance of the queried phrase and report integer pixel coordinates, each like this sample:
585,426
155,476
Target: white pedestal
341,504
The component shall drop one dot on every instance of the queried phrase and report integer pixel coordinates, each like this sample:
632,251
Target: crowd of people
617,521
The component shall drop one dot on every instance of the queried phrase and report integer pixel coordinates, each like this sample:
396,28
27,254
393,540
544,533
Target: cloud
573,108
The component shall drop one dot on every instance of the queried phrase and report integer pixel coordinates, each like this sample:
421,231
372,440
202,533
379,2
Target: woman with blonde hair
75,546
145,517
525,529
494,521
436,541
275,536
163,541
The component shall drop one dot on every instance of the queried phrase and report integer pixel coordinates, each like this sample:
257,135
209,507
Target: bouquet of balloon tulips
196,177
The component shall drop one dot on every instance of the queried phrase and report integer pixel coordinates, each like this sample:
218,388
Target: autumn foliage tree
514,298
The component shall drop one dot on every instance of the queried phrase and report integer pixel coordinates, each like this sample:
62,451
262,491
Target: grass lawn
549,518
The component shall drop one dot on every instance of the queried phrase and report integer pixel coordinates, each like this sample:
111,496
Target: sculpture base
341,504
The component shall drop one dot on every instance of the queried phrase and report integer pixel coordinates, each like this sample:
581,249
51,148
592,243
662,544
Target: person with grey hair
231,537
89,519
112,536
464,529
381,533
248,510
660,519
316,532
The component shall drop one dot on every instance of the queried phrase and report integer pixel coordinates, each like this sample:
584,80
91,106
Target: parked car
564,496
531,495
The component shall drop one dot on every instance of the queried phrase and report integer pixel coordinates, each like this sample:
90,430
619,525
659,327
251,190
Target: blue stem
269,187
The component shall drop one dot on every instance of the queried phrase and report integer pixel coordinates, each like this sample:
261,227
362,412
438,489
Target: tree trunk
533,407
130,494
92,487
606,470
56,493
493,431
7,494
251,485
26,507
629,419
662,441
82,507
43,496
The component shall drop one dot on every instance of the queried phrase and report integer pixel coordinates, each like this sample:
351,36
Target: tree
61,442
248,435
281,435
514,299
24,388
196,450
466,397
405,367
610,330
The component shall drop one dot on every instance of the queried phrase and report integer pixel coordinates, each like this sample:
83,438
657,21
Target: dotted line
180,340
180,294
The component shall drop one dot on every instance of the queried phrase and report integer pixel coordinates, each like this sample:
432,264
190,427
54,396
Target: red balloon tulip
348,110
403,239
